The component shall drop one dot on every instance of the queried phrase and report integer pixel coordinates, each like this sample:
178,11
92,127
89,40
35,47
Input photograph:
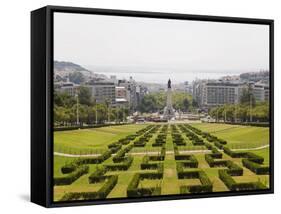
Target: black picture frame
42,111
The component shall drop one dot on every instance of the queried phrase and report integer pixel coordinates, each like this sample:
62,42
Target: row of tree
68,110
242,112
248,109
155,102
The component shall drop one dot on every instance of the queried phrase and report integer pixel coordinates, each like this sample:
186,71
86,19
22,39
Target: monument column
168,110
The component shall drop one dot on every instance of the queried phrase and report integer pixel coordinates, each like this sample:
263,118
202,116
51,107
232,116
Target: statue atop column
169,83
169,112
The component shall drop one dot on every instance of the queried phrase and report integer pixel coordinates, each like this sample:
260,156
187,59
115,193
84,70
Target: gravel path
155,153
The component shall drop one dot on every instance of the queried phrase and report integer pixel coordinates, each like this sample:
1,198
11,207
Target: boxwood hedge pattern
206,184
152,166
109,184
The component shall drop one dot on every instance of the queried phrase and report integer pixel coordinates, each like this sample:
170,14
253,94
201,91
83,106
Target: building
121,96
197,91
260,92
120,92
220,93
131,87
187,87
212,93
102,91
140,92
266,93
67,87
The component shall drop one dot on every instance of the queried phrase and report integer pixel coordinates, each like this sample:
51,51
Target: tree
154,102
63,99
194,103
242,112
76,77
85,96
185,104
247,96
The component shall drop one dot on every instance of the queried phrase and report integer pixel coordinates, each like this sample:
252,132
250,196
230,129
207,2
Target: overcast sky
153,50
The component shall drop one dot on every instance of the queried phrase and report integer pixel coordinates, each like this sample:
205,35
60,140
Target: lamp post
96,115
108,114
251,107
77,108
217,114
235,108
123,114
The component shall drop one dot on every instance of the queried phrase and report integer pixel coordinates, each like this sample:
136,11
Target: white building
214,93
67,87
102,91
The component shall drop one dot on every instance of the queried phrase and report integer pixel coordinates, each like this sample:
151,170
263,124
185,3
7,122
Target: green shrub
214,163
134,191
71,177
124,165
234,186
218,144
255,167
100,194
254,158
206,184
68,168
98,175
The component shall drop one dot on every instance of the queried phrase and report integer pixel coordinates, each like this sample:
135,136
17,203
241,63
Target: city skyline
145,48
138,76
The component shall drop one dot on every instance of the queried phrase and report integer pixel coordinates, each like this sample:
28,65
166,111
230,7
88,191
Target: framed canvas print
134,106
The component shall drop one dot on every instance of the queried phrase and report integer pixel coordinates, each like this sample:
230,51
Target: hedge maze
171,154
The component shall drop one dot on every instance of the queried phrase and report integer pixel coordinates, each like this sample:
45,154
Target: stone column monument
169,112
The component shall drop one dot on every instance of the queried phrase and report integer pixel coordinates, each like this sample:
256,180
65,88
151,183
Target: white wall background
15,107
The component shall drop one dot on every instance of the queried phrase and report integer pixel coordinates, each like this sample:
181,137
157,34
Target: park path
170,152
75,156
257,148
169,185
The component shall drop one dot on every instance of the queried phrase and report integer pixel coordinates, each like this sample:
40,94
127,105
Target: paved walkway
75,156
155,153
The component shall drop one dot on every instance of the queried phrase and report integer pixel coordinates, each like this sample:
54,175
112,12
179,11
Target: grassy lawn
91,140
237,136
264,153
98,139
58,163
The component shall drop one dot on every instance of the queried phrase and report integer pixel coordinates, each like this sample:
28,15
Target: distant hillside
64,71
255,76
68,66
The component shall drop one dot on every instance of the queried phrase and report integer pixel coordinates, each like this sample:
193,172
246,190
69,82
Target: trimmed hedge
234,154
69,128
234,169
124,165
198,142
146,165
191,162
218,144
206,184
94,160
71,177
160,140
214,163
255,158
115,149
68,168
255,167
102,193
232,185
98,175
248,155
134,191
216,153
119,157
